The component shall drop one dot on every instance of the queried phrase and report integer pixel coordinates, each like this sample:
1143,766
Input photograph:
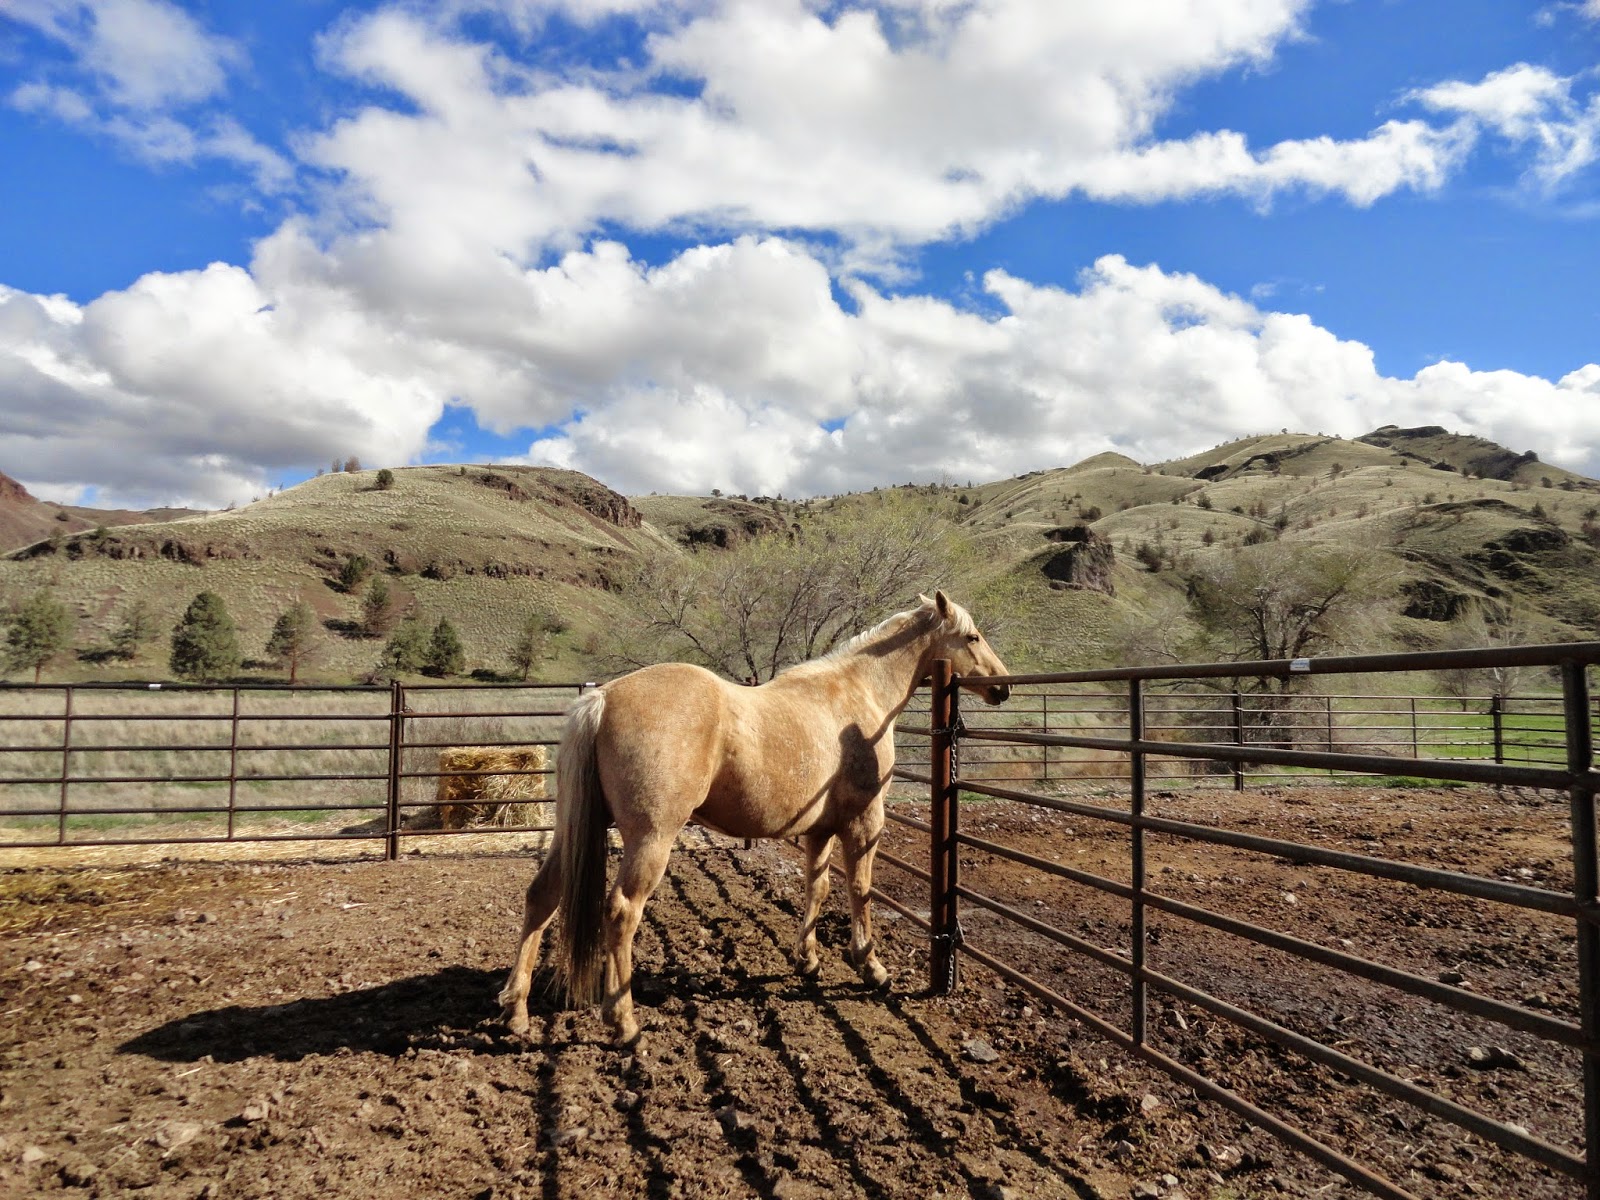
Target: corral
328,1028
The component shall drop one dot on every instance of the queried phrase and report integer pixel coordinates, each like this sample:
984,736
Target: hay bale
467,800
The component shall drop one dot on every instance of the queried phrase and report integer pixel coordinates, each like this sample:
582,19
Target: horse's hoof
518,1023
876,976
809,970
627,1035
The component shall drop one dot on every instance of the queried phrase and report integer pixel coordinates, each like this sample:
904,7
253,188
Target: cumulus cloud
897,124
145,54
1145,362
731,366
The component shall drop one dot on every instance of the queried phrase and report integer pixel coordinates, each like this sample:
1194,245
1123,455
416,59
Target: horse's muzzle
997,694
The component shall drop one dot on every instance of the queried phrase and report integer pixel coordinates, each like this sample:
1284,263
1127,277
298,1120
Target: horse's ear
923,600
942,603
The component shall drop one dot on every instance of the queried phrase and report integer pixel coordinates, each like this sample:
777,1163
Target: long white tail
581,821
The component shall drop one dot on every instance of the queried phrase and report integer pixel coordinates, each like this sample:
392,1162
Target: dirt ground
209,1029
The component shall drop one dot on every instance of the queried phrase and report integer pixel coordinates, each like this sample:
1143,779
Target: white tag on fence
1300,666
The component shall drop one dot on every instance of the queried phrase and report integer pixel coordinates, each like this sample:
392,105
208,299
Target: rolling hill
1073,557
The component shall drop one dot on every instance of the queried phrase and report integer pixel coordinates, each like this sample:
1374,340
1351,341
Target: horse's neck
889,676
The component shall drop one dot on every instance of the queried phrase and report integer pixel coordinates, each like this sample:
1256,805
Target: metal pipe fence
168,764
1503,729
1146,727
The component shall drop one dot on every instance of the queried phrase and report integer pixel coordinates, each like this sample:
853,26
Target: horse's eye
974,637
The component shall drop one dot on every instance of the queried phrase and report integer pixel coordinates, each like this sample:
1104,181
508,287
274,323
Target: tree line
205,644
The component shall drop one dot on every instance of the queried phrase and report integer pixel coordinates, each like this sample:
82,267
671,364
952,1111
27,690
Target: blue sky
787,246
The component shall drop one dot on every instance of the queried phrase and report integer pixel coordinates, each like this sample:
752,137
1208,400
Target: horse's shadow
450,1009
439,1010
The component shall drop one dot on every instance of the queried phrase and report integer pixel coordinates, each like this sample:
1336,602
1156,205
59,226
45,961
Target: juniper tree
205,645
532,642
292,637
406,649
136,626
40,629
377,608
445,653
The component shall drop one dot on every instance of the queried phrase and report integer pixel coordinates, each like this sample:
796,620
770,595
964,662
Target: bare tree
778,600
1488,626
1289,600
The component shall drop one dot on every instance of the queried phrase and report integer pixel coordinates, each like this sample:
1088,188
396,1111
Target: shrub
353,572
385,480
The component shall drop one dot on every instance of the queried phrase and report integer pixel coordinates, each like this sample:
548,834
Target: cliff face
1085,563
24,519
12,492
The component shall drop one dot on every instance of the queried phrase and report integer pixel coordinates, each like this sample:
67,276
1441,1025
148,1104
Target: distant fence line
117,764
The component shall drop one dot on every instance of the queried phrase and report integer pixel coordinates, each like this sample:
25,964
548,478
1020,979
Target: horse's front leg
860,843
819,849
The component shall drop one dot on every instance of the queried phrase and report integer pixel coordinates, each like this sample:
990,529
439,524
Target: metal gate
949,896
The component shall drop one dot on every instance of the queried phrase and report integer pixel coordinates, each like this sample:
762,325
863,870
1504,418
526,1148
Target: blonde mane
960,621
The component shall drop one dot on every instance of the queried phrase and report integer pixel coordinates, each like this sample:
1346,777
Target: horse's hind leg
643,864
819,849
544,893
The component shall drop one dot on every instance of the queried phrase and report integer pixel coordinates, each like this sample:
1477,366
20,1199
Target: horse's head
960,640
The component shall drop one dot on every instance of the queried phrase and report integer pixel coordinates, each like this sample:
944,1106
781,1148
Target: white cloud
145,54
456,262
1529,106
719,368
897,125
1151,364
139,66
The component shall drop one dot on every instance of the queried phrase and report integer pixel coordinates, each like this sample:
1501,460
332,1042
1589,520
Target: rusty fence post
233,764
1497,713
66,762
944,924
1136,763
1044,723
1238,740
1586,890
397,739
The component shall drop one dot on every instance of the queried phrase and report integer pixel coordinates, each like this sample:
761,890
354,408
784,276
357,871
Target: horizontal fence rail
1231,722
179,764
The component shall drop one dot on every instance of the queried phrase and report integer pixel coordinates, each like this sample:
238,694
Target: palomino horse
807,754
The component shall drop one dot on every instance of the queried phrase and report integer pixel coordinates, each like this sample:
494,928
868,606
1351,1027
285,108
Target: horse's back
661,740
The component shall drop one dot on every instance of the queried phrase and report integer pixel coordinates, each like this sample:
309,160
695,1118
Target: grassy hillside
1458,526
483,546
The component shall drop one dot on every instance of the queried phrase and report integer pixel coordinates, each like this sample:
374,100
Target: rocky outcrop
567,489
1085,563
